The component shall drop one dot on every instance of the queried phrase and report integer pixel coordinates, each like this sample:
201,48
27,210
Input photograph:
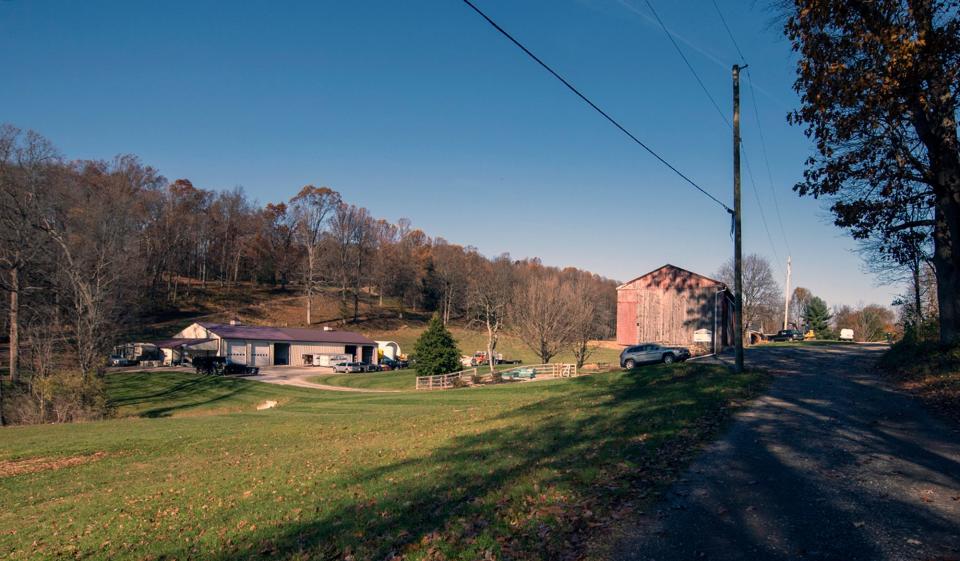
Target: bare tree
762,298
312,207
27,161
541,316
491,290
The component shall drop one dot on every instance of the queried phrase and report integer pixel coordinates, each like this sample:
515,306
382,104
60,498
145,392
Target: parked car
116,360
348,367
369,367
787,335
652,352
393,363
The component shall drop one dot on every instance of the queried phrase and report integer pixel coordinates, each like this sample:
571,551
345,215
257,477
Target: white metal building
266,346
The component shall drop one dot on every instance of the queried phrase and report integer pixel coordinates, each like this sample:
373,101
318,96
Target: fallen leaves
11,468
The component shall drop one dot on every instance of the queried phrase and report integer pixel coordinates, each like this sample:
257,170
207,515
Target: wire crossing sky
594,106
414,110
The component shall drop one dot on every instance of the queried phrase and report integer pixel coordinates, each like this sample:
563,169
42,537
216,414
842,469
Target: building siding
668,305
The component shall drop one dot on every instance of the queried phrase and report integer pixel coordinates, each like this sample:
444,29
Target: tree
491,290
436,350
762,299
879,83
817,316
541,316
798,306
311,209
27,164
587,321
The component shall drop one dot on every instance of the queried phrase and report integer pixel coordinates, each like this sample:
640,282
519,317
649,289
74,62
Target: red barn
675,306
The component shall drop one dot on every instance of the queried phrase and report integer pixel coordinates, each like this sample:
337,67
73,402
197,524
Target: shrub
436,350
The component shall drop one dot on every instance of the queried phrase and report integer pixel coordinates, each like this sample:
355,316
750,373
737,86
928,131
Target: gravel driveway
830,464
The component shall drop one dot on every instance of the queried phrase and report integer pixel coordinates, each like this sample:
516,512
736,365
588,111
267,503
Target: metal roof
174,343
286,334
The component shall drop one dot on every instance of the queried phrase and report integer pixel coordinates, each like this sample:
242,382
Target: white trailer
331,360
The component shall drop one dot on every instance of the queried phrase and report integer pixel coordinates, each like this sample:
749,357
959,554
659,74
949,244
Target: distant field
522,471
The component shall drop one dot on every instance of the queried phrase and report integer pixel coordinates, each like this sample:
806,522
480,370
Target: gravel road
831,463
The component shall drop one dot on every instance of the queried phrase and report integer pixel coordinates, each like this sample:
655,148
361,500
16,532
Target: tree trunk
309,309
491,343
946,257
918,313
14,324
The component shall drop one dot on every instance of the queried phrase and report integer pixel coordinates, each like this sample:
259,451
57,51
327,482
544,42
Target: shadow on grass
530,486
174,392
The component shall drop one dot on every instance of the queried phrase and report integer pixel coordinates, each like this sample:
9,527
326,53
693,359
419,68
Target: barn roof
680,270
287,334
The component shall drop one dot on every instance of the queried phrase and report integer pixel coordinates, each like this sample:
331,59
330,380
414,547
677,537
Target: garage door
261,354
237,352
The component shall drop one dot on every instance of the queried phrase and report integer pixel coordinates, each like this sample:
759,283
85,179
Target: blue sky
419,109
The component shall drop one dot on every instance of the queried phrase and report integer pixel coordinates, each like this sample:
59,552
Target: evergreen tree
436,351
817,317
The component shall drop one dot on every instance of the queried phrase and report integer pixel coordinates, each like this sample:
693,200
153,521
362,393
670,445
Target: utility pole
786,297
737,237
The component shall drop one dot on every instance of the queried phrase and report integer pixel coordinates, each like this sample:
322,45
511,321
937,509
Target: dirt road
830,464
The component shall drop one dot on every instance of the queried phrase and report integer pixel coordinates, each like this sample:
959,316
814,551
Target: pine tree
436,350
817,316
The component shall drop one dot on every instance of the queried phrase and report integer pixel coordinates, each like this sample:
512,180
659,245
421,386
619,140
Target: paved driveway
830,464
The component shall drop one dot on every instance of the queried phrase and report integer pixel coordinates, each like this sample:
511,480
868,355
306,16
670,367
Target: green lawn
392,380
520,471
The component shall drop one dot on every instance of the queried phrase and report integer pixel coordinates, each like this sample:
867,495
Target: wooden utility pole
786,297
737,237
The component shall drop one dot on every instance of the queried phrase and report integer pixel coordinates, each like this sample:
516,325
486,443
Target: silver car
652,352
348,367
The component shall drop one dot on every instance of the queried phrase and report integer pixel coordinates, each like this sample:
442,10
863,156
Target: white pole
786,296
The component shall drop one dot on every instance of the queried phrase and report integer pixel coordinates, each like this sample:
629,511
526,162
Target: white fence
472,375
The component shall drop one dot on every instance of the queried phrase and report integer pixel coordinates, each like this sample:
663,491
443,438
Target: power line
689,66
756,112
763,217
595,107
763,149
729,33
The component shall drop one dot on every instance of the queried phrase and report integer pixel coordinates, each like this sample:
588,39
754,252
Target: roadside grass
519,471
928,370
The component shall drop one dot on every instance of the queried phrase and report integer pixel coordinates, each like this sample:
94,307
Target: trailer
326,359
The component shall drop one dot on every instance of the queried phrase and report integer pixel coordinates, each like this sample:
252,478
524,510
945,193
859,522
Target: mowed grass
392,380
521,471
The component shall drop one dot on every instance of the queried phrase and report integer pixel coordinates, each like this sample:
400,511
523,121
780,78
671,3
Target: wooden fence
469,376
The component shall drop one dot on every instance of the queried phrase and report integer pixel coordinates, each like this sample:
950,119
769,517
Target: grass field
393,380
516,471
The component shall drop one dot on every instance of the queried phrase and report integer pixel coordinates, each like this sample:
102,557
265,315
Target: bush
436,350
60,397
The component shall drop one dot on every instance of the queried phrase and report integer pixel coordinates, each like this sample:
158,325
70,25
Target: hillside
258,305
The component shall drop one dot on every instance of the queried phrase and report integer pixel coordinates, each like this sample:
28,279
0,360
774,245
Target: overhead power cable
689,66
756,112
596,108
